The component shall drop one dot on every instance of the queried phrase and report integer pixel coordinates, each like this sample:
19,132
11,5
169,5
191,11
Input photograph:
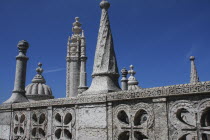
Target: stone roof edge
156,92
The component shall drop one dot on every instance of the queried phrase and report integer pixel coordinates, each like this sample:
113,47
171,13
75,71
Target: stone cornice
158,92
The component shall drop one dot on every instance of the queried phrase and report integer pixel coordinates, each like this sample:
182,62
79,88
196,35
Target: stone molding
159,92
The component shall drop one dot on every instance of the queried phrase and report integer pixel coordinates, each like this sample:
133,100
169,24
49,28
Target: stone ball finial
39,70
104,4
23,45
192,58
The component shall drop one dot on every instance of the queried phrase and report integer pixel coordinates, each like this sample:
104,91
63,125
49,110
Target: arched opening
123,117
140,117
58,117
41,118
140,136
67,118
67,134
205,118
185,117
205,136
188,137
124,136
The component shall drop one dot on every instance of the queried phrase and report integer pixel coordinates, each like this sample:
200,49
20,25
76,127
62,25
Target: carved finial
132,82
39,78
194,75
39,70
77,26
23,45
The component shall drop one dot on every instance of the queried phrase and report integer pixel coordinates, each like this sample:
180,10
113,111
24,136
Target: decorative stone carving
63,123
39,124
133,122
190,120
19,125
132,82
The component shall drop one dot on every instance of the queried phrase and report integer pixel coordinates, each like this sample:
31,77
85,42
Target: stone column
124,80
161,119
83,75
50,122
18,94
74,77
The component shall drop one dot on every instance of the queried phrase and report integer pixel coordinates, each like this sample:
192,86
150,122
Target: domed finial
23,45
104,4
192,58
39,70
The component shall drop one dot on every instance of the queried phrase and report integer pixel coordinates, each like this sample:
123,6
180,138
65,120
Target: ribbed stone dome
38,90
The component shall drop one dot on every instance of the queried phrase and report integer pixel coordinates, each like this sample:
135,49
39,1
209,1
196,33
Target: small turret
38,90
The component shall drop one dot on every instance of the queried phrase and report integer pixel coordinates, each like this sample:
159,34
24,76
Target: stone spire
105,72
18,94
38,90
132,82
194,74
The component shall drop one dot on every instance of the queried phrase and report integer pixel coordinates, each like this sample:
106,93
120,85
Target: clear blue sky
156,36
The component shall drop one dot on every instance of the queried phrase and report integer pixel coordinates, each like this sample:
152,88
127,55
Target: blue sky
157,37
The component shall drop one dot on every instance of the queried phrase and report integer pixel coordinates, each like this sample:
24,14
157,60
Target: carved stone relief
38,124
19,125
190,119
133,122
63,123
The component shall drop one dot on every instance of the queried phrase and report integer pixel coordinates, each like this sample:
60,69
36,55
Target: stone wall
113,116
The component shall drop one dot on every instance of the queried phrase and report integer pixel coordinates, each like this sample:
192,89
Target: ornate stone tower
76,61
105,71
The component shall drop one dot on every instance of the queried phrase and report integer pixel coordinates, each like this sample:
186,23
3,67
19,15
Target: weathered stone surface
179,112
18,94
105,71
92,122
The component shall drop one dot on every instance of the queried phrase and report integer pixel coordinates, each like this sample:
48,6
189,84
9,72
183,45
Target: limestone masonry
105,110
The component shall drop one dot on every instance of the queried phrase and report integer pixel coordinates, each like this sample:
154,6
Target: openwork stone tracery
191,120
19,125
38,124
63,123
133,122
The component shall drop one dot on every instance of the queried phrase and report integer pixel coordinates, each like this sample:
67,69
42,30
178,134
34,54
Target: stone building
104,111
